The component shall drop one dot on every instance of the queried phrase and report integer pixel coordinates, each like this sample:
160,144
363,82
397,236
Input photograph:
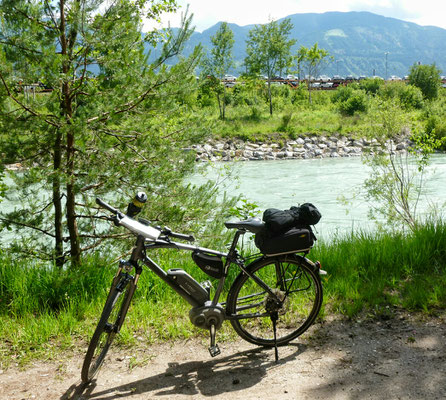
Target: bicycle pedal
214,350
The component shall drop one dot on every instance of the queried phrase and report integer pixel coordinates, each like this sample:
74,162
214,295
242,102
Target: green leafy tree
397,179
426,78
268,51
311,61
220,62
109,124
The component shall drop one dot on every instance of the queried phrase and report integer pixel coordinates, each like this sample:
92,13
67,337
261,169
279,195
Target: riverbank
304,147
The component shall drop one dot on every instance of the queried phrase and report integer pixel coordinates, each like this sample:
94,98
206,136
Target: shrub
371,85
342,94
409,96
357,102
285,124
299,95
427,78
350,100
437,126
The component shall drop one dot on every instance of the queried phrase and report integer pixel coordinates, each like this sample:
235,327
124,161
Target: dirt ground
399,358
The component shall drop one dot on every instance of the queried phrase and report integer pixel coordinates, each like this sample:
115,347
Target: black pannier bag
279,221
288,231
292,241
211,264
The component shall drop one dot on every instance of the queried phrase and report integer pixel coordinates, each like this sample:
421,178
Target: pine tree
103,121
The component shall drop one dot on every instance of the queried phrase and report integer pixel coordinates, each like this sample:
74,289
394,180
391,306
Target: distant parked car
338,78
395,78
350,78
229,78
377,77
291,78
323,78
327,85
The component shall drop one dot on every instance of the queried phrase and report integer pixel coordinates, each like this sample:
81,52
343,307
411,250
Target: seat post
232,249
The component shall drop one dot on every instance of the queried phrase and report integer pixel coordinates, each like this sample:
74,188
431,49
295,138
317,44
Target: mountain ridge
357,40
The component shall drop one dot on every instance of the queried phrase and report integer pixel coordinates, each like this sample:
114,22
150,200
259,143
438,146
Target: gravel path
400,358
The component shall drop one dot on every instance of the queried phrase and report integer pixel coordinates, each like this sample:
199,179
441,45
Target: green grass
249,119
45,311
374,272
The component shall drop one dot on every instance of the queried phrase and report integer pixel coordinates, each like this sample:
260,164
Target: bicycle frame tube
160,243
126,305
231,257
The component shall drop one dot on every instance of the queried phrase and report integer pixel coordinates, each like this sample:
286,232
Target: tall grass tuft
376,270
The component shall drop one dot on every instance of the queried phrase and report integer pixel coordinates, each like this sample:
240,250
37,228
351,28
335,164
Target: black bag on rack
288,231
292,241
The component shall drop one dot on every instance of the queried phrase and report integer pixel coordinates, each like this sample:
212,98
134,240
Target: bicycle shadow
209,378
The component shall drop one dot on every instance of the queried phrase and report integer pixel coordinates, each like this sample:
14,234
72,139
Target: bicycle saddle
254,225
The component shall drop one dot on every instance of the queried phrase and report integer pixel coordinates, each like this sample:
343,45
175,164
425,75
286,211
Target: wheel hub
276,302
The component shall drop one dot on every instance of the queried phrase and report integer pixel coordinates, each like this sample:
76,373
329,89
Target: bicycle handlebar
137,227
132,225
107,206
176,235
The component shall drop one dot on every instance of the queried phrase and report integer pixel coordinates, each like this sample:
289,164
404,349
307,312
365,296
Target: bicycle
273,300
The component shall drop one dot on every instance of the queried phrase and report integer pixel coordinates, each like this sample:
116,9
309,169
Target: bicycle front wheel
251,308
108,326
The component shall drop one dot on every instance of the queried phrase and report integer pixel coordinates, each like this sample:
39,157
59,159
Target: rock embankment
301,148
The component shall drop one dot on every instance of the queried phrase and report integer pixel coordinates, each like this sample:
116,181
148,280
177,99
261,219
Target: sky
245,12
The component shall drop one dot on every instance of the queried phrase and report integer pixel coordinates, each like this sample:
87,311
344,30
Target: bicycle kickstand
274,318
213,348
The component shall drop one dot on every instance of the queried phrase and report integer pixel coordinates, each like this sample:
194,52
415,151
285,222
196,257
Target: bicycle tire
300,288
106,331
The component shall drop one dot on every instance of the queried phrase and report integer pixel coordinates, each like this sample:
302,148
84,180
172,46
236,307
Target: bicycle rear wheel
108,326
251,308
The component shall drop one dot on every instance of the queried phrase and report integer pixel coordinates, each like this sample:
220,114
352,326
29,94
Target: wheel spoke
296,298
106,330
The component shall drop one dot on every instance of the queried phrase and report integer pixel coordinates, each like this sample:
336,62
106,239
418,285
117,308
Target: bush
436,125
409,96
285,123
356,103
350,100
342,94
299,95
427,78
371,85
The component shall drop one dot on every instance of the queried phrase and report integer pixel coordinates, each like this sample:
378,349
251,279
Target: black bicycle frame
232,257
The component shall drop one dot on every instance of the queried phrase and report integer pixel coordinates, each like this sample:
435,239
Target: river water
323,182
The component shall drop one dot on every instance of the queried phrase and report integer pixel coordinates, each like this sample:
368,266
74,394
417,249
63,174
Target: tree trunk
219,106
224,102
57,200
67,111
309,91
71,202
269,97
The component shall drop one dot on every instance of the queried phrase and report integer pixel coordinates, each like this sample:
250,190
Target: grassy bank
44,308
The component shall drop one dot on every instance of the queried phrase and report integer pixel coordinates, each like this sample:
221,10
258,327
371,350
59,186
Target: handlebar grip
189,238
107,206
